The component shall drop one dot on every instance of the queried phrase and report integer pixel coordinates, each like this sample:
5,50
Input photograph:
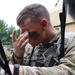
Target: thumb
13,36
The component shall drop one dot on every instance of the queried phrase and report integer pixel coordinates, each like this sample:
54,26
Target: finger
13,36
25,34
22,38
24,43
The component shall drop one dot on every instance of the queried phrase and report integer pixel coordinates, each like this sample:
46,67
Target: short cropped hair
35,12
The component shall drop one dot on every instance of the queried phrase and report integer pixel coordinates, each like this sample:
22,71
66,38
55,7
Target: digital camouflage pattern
66,64
7,53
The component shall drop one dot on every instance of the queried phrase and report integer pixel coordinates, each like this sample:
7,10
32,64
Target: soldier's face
35,32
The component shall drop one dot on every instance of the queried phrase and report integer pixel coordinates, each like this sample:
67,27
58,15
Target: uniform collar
54,40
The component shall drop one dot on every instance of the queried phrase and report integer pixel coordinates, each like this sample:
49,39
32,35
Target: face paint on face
33,34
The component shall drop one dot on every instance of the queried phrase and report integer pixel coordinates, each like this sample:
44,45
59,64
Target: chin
33,45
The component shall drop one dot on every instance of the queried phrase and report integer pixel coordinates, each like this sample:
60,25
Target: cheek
38,40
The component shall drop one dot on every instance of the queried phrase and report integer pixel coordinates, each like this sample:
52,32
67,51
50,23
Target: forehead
28,25
26,22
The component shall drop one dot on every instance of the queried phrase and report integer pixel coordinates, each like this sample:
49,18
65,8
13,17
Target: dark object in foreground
3,61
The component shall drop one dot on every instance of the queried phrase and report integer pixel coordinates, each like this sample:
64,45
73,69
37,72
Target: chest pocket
49,57
54,60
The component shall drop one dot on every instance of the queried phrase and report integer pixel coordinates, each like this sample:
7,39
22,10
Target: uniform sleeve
66,66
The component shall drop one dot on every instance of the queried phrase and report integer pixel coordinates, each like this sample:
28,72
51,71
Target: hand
19,43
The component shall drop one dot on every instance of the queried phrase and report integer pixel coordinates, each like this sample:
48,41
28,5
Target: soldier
43,58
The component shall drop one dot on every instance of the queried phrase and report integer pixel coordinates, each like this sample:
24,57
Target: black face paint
33,34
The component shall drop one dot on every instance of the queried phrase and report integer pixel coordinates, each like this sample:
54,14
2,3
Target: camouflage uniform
44,55
66,64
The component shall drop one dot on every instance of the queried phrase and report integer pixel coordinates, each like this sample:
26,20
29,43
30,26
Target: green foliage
9,32
5,33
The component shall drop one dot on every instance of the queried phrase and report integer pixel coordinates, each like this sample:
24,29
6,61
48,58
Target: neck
51,32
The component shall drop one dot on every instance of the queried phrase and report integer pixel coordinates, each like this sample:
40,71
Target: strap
53,61
16,69
18,57
62,21
31,56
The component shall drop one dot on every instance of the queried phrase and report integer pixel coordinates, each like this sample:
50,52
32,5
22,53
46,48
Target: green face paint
33,34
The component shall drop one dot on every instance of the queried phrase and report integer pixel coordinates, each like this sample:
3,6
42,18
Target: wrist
17,56
16,60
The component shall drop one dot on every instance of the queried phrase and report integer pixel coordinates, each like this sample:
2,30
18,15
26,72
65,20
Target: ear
44,23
